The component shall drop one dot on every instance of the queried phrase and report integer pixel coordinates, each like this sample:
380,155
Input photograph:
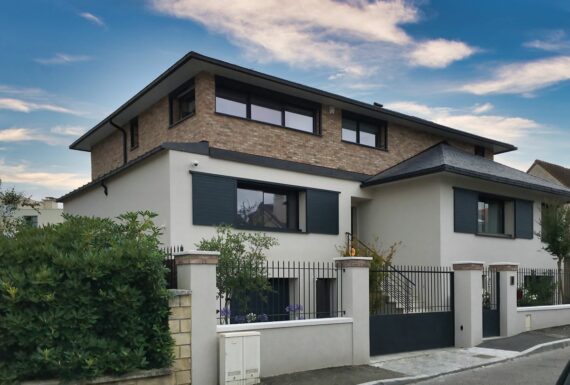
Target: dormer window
480,151
182,103
265,106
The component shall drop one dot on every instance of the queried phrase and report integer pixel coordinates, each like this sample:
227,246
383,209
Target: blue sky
498,69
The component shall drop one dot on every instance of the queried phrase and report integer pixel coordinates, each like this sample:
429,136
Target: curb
540,348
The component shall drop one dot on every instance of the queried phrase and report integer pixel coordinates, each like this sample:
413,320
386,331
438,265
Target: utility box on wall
240,358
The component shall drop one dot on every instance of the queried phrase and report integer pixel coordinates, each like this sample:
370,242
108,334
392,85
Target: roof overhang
193,63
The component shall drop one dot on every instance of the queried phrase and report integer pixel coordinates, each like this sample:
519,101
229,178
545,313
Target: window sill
365,146
172,125
490,235
268,124
269,229
134,147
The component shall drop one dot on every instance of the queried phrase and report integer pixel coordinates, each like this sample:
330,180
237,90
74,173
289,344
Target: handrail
350,238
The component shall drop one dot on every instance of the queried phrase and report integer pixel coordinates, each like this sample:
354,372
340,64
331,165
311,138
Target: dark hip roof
445,158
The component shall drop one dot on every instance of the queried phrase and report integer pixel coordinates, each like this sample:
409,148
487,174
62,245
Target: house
550,172
44,212
209,142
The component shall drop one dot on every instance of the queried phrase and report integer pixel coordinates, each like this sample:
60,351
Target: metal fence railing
278,291
170,264
543,287
490,289
411,289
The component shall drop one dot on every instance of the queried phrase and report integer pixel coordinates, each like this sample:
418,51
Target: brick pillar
468,303
508,296
197,273
355,300
179,322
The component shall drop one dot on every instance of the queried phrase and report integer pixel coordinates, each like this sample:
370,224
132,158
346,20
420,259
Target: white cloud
56,136
21,91
503,128
20,105
69,130
523,78
62,58
555,41
482,108
92,18
338,35
440,53
21,173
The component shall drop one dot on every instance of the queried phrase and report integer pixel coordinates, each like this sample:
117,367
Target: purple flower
225,312
294,308
239,319
262,318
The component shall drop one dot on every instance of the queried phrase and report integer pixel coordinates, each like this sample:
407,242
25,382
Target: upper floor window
182,102
31,220
495,216
248,102
480,151
364,131
134,133
267,207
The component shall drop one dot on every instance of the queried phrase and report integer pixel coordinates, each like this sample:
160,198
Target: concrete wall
146,186
458,247
541,317
45,216
292,246
406,212
294,346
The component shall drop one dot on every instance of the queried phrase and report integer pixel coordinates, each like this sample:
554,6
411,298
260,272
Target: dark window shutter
524,219
213,200
465,211
322,212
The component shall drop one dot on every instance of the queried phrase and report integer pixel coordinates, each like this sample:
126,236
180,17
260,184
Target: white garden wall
540,317
296,346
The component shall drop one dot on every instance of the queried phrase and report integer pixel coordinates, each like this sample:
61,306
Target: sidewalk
405,368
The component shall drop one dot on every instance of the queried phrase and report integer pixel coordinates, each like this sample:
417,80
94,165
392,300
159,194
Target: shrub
82,299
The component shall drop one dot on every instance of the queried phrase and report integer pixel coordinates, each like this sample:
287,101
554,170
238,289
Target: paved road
538,369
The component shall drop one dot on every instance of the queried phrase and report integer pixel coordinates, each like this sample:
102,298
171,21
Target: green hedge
82,299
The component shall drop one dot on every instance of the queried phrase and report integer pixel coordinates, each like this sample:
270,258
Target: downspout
124,139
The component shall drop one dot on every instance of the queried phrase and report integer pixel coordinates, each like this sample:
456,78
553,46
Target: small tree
10,200
241,267
555,234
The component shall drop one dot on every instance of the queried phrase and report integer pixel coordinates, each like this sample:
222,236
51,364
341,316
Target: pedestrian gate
491,320
411,308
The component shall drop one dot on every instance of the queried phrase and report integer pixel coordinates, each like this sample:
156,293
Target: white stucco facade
417,212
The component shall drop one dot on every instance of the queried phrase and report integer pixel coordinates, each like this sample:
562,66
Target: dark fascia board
469,173
203,148
196,56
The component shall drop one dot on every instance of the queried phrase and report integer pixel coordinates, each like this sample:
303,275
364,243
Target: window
134,133
480,151
182,102
31,220
248,102
267,207
364,131
491,216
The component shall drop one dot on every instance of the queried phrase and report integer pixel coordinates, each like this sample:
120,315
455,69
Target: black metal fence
411,289
279,291
170,264
490,289
542,287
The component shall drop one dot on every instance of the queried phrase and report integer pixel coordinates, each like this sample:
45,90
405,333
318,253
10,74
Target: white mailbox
239,358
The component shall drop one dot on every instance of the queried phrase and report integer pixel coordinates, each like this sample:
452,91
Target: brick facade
261,139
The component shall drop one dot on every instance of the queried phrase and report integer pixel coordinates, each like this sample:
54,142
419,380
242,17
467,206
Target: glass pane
187,105
491,216
299,121
250,207
368,134
349,130
275,207
482,208
264,114
226,106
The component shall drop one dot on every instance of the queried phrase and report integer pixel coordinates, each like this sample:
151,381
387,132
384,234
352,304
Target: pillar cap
353,262
468,265
504,266
197,257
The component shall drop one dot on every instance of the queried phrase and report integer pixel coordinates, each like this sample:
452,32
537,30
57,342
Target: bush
82,299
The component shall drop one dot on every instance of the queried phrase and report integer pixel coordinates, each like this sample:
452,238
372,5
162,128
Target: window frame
504,200
284,103
134,133
381,124
480,151
183,90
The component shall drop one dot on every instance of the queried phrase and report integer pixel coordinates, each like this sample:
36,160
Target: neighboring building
46,212
551,172
209,142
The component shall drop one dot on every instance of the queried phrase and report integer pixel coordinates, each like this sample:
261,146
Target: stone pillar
179,322
197,273
468,303
507,296
355,300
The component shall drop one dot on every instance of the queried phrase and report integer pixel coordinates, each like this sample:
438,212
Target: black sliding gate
491,319
411,308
